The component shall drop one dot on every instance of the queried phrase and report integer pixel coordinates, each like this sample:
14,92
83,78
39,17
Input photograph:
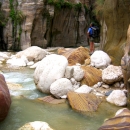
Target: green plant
78,6
17,18
68,5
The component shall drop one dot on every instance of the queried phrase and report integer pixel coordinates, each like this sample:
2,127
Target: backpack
95,31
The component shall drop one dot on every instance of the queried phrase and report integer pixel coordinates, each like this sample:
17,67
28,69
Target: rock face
114,24
5,99
40,27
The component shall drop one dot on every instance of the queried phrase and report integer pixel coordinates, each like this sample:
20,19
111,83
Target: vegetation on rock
17,18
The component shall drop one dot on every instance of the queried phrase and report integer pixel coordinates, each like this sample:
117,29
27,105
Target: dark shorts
91,39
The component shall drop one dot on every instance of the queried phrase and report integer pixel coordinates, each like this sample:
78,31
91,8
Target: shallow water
25,108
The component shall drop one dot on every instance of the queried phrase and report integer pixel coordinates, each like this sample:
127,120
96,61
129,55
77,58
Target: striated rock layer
5,99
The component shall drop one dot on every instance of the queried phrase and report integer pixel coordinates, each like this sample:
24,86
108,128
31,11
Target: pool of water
25,108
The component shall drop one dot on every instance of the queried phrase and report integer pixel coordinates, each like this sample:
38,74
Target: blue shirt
90,31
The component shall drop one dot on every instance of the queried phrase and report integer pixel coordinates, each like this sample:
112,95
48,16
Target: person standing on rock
90,37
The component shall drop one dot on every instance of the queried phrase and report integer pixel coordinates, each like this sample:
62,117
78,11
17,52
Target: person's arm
88,32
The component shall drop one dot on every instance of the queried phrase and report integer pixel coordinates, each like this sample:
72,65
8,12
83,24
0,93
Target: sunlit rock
84,89
5,99
52,100
78,55
100,59
78,73
121,121
4,56
112,74
69,72
14,86
36,125
35,65
117,97
18,61
92,75
51,68
35,52
61,87
30,63
83,102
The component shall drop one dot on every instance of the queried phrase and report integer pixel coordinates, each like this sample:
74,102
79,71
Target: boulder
84,89
121,121
100,59
112,74
78,55
5,99
117,97
51,68
36,125
78,73
83,102
61,87
34,53
91,75
52,100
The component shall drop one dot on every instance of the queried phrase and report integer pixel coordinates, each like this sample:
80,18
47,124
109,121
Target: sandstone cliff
44,25
115,21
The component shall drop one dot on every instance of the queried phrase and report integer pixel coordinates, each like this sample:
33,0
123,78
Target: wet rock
83,102
5,99
13,86
52,100
117,97
36,125
121,121
108,93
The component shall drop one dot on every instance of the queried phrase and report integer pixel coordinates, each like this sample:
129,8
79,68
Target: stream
26,108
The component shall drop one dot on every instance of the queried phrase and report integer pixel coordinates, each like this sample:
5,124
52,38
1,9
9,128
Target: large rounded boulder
5,99
51,68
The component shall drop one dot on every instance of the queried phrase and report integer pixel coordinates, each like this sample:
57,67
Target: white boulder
69,72
100,59
51,68
84,89
36,125
117,97
34,52
78,73
18,61
61,87
112,74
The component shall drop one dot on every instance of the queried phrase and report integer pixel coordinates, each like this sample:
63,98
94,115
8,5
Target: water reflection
25,108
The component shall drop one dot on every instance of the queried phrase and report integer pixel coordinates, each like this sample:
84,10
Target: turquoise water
25,108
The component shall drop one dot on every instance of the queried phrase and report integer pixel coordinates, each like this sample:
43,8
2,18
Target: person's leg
91,47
